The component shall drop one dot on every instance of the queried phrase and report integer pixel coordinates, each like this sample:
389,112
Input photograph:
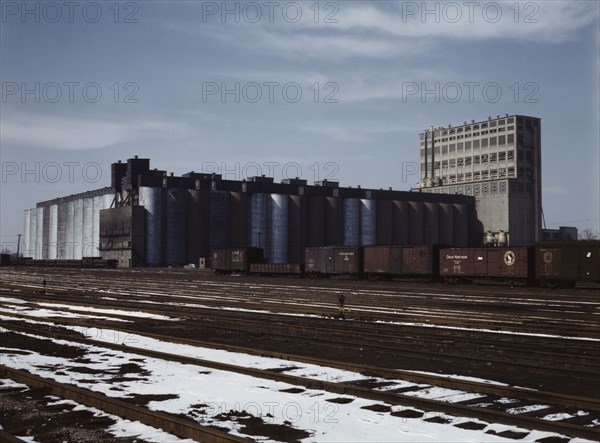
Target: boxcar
564,263
408,260
512,264
4,259
333,260
226,261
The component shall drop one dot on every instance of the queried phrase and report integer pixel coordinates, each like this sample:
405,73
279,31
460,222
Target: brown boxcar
319,260
407,260
225,261
331,260
419,260
377,260
564,263
348,260
508,263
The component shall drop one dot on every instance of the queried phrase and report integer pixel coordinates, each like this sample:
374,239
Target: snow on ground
461,377
56,313
125,313
47,313
121,428
492,331
8,383
564,416
206,393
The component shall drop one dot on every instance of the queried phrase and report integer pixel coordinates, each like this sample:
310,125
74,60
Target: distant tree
588,234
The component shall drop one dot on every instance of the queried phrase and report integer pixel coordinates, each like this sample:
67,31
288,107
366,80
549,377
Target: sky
333,90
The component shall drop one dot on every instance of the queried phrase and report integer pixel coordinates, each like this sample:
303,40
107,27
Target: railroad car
293,269
333,260
226,261
561,264
386,262
467,264
4,259
87,262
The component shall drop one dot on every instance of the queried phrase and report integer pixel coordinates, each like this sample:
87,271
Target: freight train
555,264
85,262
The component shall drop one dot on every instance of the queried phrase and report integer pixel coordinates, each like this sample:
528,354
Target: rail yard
186,355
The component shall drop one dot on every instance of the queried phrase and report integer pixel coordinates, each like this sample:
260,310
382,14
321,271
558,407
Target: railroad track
399,348
167,422
484,409
443,316
564,350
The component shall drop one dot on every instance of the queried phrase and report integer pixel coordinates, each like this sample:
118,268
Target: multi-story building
498,161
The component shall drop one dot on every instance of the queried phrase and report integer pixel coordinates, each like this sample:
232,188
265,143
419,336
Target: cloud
354,133
386,30
551,22
68,133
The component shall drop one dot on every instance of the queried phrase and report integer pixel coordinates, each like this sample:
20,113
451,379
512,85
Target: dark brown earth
26,413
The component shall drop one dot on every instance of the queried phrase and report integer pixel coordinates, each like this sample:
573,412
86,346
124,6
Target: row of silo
64,229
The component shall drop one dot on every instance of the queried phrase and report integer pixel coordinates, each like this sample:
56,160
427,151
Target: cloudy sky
320,89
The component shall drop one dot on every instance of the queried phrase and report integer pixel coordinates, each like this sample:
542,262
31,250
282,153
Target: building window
511,120
452,147
511,139
501,122
484,142
467,146
444,149
493,141
475,144
502,140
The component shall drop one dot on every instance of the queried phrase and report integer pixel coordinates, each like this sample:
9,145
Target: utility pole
18,244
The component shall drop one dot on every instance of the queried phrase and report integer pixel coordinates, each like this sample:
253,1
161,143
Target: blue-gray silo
260,206
152,200
177,204
218,222
368,220
279,228
351,221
